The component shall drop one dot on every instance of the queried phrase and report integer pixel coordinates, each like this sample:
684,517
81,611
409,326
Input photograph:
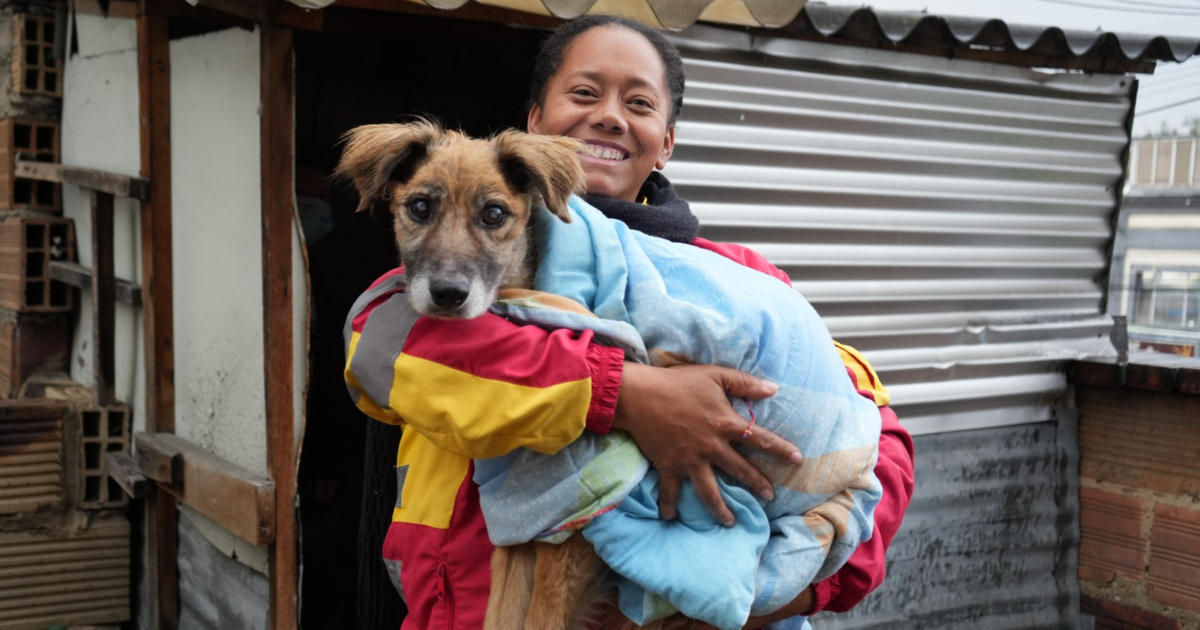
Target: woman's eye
641,102
419,209
493,215
584,92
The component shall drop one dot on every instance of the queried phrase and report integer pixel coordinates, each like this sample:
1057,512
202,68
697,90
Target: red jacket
531,388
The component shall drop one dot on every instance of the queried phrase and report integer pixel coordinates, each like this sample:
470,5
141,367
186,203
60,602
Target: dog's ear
546,164
378,154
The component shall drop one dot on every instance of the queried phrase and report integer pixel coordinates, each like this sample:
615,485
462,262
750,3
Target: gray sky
1171,82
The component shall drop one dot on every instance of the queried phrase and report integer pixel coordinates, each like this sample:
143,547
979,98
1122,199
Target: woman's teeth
604,153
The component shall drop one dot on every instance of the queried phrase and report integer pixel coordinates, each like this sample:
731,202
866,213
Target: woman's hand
681,419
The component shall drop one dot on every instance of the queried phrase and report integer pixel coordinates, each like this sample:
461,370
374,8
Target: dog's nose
449,293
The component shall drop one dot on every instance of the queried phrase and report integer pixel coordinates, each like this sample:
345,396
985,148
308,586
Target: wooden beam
104,301
80,277
157,459
154,113
241,501
111,183
273,12
123,470
470,11
278,228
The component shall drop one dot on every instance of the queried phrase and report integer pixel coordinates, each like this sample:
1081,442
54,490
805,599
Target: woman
618,86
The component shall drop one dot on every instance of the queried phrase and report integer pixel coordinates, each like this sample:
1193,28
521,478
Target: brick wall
1139,499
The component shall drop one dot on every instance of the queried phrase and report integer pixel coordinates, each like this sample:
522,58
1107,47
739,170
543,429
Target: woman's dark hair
550,57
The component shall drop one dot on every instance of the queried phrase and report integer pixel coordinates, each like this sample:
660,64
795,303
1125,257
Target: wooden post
104,302
154,91
277,77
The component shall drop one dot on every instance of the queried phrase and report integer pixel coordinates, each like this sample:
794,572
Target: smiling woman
613,91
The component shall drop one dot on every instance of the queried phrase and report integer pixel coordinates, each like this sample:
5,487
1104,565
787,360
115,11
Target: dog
462,209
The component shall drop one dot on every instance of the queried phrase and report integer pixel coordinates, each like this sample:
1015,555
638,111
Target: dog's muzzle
450,293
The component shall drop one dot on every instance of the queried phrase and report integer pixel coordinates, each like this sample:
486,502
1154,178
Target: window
1168,298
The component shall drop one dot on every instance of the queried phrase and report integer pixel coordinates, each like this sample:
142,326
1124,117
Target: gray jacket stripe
394,283
382,340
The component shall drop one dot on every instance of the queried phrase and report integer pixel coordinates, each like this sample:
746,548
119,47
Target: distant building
1156,260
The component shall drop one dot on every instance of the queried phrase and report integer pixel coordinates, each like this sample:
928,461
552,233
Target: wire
1171,89
1158,80
1194,99
1174,22
1147,3
1089,5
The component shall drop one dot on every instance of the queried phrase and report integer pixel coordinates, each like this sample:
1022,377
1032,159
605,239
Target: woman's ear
668,149
534,123
376,155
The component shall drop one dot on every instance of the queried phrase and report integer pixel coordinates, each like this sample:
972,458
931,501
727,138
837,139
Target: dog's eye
419,209
494,215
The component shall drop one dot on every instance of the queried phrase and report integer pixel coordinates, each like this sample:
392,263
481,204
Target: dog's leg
567,587
512,585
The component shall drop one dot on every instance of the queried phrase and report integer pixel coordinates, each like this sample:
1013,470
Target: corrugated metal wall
952,220
990,540
949,218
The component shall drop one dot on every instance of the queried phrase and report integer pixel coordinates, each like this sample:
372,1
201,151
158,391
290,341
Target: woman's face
610,92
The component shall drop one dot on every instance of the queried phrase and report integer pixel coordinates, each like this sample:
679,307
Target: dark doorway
372,67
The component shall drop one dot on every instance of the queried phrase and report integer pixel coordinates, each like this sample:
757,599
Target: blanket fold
665,303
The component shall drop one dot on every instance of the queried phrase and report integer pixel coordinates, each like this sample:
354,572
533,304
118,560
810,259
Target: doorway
372,67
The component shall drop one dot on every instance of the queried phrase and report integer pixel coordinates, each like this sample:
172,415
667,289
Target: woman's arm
483,387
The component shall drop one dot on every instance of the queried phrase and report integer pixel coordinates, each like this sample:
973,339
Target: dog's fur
536,586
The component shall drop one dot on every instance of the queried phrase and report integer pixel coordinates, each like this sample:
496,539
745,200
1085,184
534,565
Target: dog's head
461,205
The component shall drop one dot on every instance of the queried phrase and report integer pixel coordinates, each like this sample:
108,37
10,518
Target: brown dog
462,208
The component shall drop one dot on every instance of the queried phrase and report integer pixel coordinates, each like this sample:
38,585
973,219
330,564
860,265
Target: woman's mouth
610,154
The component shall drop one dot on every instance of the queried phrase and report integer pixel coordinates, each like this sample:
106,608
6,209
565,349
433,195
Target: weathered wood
241,501
273,12
124,471
278,228
154,113
158,459
471,11
103,181
104,305
80,277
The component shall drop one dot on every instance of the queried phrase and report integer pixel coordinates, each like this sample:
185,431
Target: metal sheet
67,576
949,218
217,592
989,540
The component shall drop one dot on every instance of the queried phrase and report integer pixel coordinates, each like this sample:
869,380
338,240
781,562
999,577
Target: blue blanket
666,303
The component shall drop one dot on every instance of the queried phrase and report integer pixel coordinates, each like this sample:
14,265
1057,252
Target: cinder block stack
34,308
64,535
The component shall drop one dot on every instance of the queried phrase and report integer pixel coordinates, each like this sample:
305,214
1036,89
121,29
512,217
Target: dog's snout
449,293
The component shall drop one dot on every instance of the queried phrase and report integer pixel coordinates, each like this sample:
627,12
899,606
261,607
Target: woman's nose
607,115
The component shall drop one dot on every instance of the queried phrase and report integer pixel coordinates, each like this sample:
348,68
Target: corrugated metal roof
860,24
864,23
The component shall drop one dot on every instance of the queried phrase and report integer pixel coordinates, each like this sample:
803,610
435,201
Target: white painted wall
217,229
100,130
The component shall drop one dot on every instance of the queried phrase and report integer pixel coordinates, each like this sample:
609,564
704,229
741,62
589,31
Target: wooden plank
273,12
157,459
80,277
338,19
154,87
154,114
104,302
124,471
278,229
103,181
241,501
